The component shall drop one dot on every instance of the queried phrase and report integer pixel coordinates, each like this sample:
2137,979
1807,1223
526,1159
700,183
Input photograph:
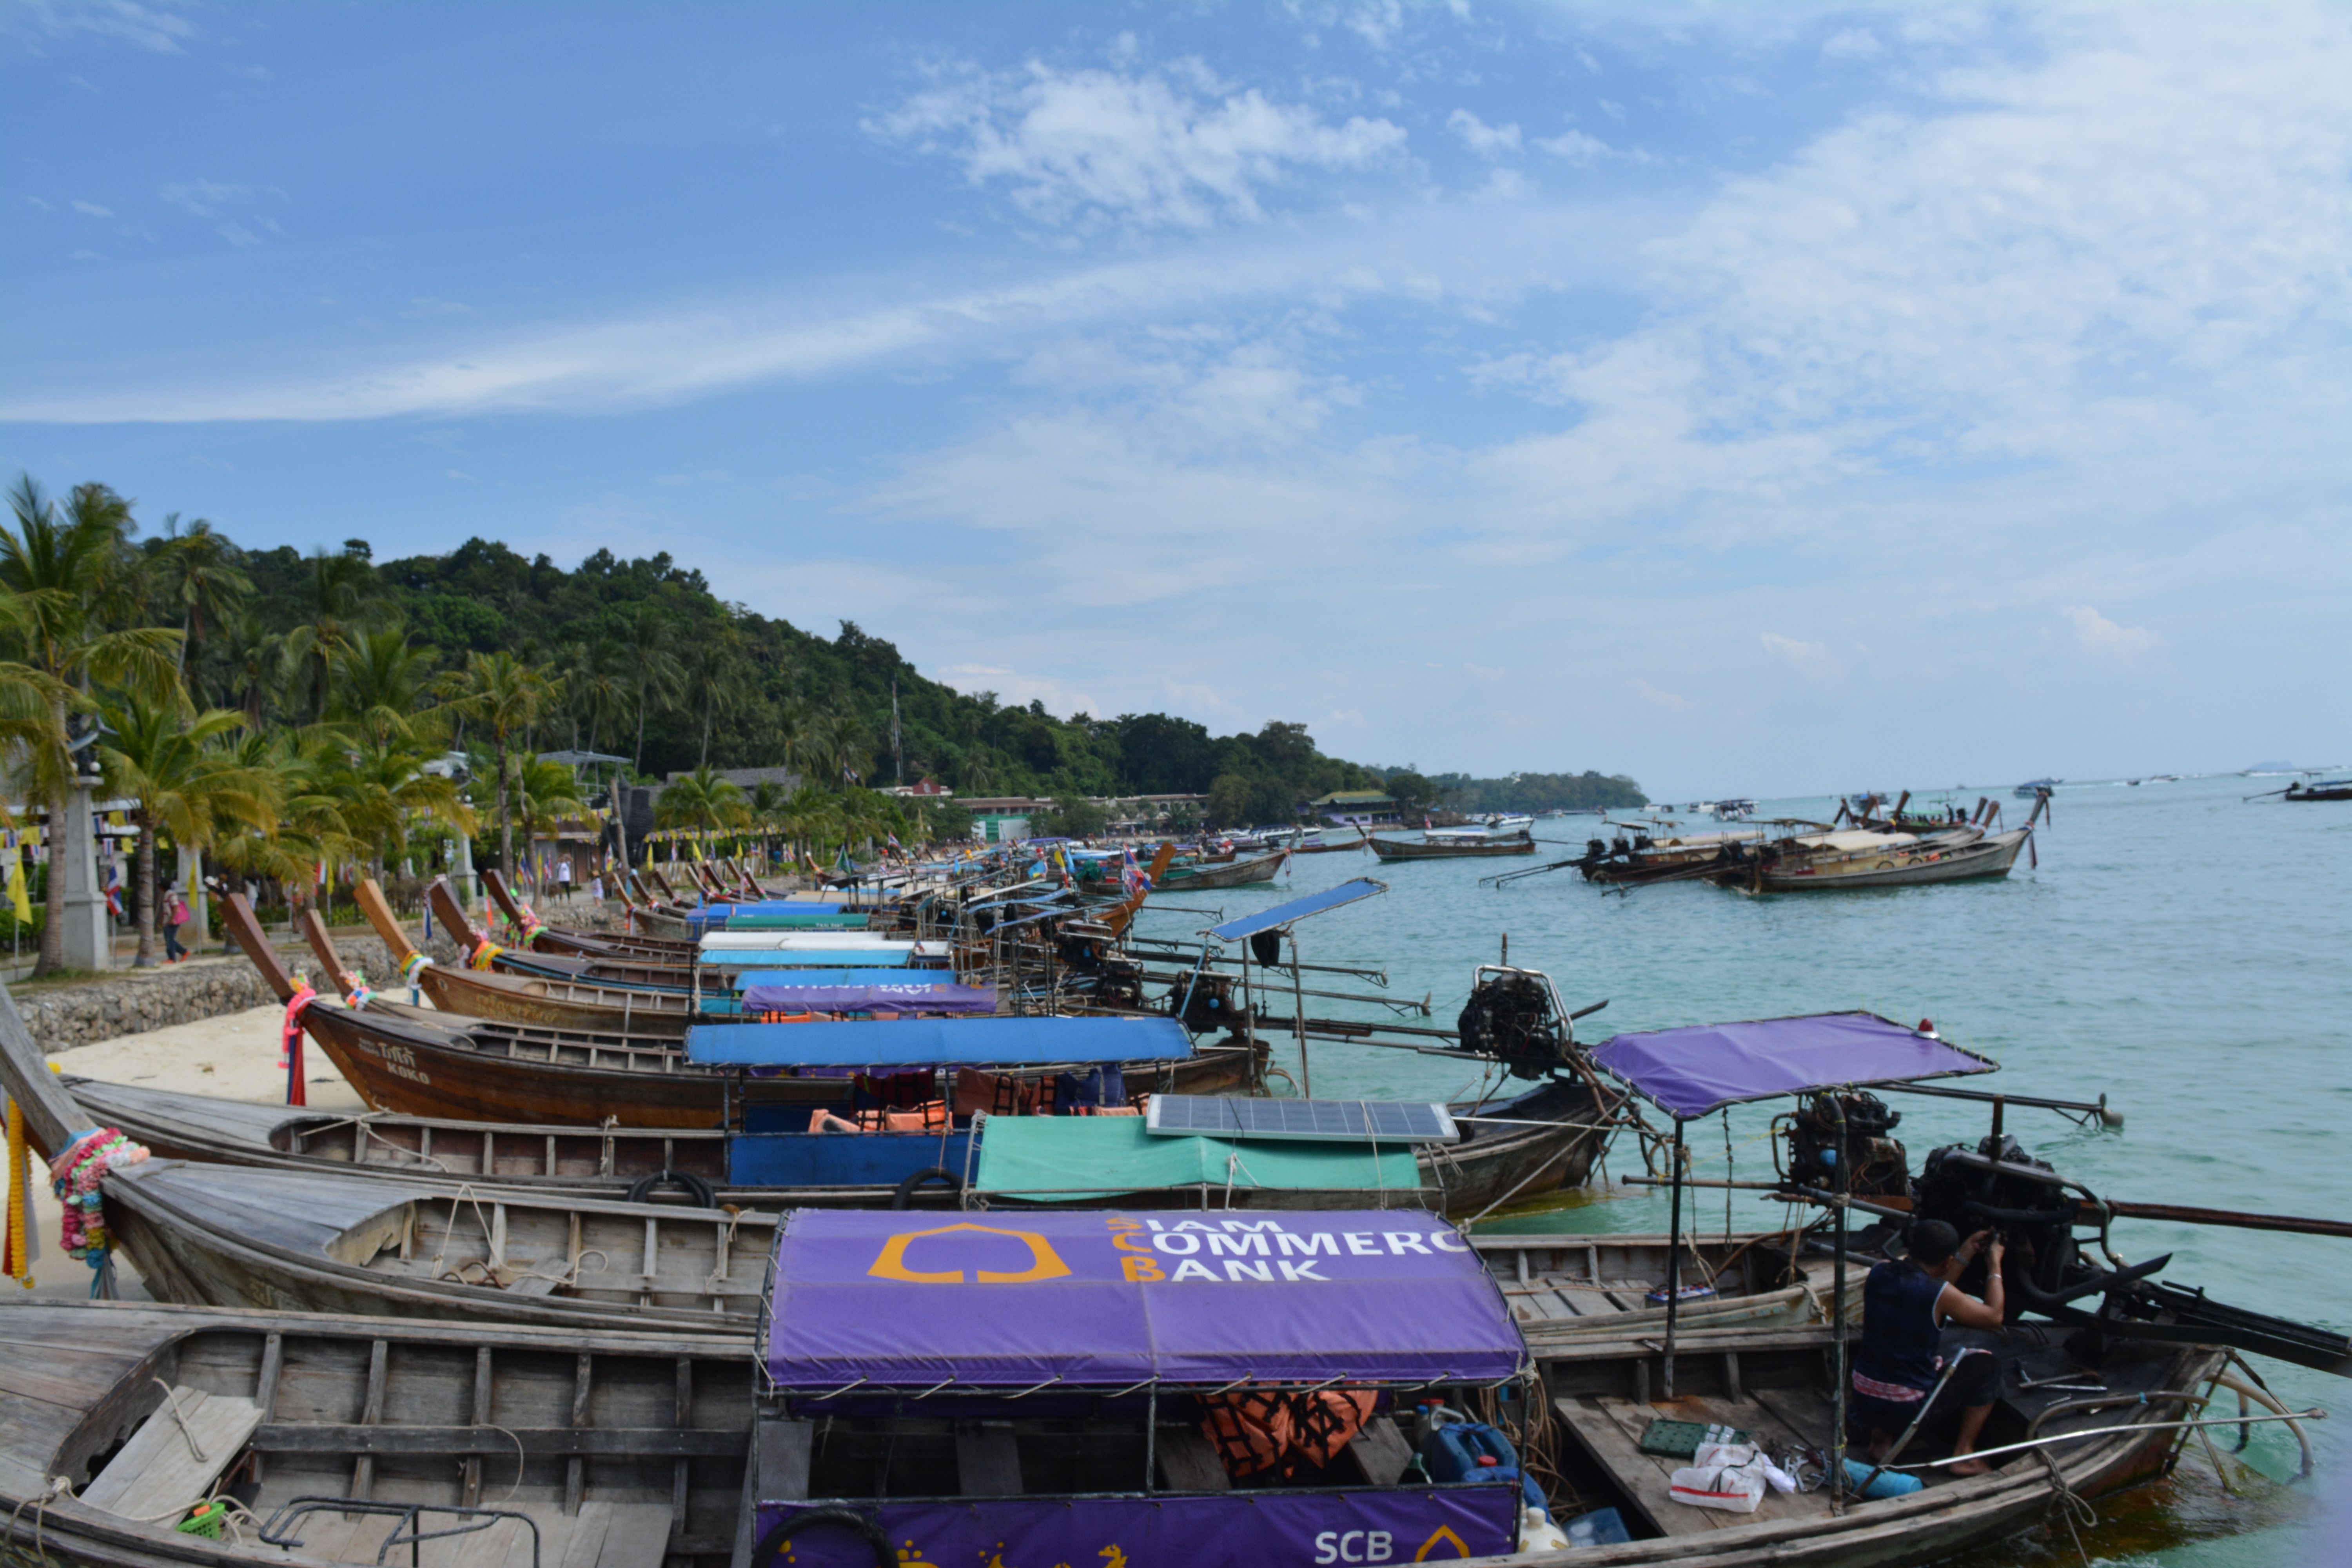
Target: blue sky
1750,399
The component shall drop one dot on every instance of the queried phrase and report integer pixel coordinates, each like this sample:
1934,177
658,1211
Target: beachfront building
1353,808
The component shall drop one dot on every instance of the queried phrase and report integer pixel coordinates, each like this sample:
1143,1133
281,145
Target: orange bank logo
1045,1263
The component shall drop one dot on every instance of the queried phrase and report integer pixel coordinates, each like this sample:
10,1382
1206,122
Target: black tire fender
771,1545
903,1195
642,1190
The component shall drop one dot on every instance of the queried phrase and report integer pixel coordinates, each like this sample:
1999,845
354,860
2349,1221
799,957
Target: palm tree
66,569
720,681
255,657
701,800
506,696
379,787
811,817
314,827
545,792
597,685
835,747
163,757
380,683
338,595
198,571
654,674
767,809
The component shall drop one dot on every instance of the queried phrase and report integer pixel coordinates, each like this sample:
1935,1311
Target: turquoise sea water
2186,955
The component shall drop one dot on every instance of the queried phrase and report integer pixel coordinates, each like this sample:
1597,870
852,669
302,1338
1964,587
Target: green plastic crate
1680,1439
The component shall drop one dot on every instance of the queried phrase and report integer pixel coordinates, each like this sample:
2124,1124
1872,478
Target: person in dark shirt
1905,1303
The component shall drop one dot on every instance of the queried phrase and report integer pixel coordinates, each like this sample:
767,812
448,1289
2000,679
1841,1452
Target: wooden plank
988,1461
471,1495
586,1543
265,1395
1188,1462
633,1442
370,1413
784,1451
1382,1451
575,1470
172,1461
1637,1474
638,1536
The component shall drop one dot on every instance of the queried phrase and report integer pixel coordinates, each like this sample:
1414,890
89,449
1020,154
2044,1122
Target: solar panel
1354,1121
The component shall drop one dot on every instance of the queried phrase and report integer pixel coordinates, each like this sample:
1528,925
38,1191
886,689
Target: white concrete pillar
73,854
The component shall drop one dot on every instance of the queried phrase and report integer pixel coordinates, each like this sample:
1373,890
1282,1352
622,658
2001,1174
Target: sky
1762,399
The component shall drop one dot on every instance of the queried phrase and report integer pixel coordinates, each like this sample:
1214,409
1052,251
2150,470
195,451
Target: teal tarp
1063,1159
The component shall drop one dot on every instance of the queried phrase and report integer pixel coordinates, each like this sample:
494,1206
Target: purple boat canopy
875,996
1690,1072
947,1303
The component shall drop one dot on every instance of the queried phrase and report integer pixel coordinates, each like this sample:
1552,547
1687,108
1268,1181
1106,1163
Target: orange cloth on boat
1255,1433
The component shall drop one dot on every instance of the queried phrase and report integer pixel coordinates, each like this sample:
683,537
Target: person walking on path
175,915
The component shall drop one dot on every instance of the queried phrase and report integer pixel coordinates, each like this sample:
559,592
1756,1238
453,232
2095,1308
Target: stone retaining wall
140,1000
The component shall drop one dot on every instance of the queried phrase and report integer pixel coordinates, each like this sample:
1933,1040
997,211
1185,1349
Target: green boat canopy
1067,1159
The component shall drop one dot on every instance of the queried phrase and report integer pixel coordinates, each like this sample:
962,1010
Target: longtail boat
1893,860
548,1004
543,937
1450,849
1207,874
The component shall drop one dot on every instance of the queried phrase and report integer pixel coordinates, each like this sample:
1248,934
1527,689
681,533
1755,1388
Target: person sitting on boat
1906,1352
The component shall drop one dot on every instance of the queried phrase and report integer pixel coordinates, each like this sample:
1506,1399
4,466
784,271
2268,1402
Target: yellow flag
18,894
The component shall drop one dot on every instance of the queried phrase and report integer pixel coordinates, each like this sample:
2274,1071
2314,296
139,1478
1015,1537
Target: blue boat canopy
749,965
1299,909
938,1042
930,979
1693,1071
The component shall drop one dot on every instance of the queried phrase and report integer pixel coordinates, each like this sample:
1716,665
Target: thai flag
114,888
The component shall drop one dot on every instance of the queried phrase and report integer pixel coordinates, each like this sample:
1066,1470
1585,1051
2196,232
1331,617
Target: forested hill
1586,790
627,639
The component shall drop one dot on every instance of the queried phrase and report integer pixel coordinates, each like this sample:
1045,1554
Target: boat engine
1205,1002
1997,1186
1511,1017
1878,1164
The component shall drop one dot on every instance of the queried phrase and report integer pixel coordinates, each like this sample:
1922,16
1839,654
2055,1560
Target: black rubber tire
771,1545
642,1189
903,1196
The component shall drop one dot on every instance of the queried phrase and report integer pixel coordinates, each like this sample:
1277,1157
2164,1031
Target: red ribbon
290,1045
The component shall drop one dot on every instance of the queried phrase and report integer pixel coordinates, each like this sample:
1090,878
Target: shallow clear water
2182,953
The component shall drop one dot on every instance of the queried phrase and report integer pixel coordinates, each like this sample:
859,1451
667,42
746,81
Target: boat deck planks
171,1462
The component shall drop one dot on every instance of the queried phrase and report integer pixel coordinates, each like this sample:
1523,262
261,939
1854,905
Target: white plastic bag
1733,1487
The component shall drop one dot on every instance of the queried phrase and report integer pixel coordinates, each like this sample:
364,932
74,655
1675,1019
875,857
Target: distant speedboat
2032,787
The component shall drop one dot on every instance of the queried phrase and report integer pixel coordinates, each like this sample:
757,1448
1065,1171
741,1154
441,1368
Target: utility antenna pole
898,756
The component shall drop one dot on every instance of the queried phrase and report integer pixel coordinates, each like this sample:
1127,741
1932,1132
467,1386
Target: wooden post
1837,1320
1673,1256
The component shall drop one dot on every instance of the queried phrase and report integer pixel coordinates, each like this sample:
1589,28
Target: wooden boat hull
1405,849
1770,1381
219,1236
1233,874
487,1076
558,1003
1914,867
344,1408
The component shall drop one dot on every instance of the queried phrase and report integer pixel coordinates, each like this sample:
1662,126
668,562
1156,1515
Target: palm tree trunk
705,760
144,872
53,893
506,822
638,762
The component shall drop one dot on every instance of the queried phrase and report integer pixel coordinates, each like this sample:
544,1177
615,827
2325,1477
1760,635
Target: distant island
1587,791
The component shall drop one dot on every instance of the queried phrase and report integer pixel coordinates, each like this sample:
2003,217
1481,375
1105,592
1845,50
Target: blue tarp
1690,1072
938,1042
746,978
891,996
749,965
1297,909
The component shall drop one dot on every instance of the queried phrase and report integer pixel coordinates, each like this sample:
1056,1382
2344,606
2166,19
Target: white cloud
91,209
1852,44
1173,147
1811,659
1575,147
1486,141
2122,646
156,28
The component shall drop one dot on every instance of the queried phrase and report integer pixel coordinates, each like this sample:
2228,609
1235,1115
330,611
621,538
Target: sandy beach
233,1056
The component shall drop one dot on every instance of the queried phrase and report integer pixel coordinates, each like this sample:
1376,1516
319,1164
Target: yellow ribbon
20,1201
